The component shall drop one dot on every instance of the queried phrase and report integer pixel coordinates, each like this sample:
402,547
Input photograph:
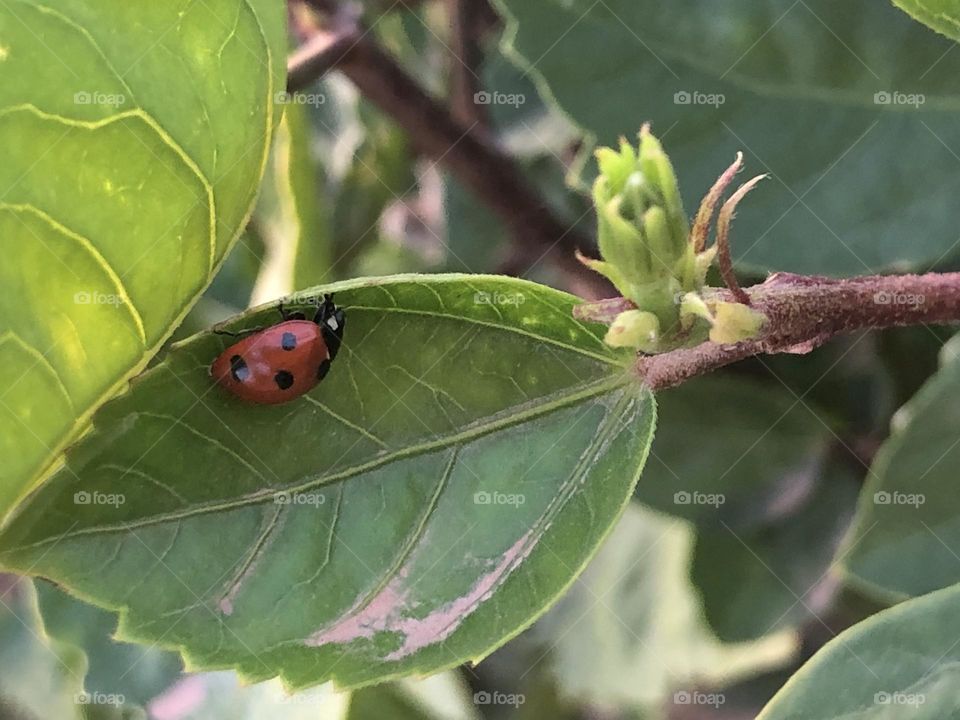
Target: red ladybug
284,361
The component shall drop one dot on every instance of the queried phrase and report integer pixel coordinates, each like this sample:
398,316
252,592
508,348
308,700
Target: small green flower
734,322
634,328
656,261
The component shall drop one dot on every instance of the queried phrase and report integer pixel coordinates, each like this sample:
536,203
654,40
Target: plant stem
469,22
466,151
803,312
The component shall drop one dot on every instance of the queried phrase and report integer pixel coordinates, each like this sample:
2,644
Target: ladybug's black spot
323,369
288,341
239,369
283,379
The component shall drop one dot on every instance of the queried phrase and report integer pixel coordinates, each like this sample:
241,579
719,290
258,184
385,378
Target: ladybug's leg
296,315
242,333
331,321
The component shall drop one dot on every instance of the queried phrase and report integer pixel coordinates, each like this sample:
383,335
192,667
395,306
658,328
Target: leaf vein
469,433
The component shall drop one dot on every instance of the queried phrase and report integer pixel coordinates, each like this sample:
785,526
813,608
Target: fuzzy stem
803,312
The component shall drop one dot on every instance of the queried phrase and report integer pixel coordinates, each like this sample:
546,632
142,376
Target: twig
466,152
323,47
469,21
803,312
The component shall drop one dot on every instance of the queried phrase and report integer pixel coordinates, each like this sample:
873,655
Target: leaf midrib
471,432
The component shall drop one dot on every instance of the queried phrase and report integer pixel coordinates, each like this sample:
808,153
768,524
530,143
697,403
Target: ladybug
284,361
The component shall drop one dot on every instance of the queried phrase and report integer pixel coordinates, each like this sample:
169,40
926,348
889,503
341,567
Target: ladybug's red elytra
276,364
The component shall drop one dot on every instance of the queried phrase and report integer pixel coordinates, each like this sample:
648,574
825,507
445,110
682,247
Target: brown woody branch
470,20
343,43
803,312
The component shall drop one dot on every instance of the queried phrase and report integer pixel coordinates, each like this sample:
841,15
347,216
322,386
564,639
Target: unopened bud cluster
652,257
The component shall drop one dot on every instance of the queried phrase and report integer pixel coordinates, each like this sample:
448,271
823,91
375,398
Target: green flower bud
656,166
735,322
649,254
692,304
634,329
643,232
659,241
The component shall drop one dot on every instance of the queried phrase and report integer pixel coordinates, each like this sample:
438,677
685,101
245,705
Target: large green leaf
901,663
775,574
468,452
134,137
906,538
136,673
441,697
380,171
223,696
292,213
39,677
727,448
637,603
942,15
859,184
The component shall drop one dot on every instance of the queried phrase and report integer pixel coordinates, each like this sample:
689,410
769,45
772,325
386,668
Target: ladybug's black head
331,320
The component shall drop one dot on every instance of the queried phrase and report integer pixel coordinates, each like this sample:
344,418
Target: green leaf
775,574
902,662
222,696
636,602
476,240
470,449
380,171
850,383
906,535
798,84
726,448
231,288
941,15
134,138
291,212
135,672
39,677
528,125
384,701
